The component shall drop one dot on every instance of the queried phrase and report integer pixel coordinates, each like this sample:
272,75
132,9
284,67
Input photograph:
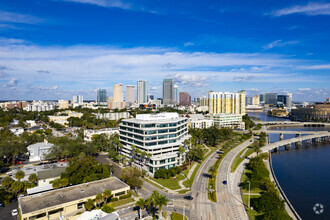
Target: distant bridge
314,138
294,123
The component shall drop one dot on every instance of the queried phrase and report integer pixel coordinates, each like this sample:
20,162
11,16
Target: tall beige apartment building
117,93
256,100
227,102
63,104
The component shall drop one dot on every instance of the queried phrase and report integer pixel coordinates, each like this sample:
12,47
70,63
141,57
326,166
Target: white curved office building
159,135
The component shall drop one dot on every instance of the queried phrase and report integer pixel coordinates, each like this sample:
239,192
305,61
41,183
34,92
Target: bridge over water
318,137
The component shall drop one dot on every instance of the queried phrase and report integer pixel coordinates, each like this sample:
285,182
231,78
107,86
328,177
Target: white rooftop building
38,151
158,135
88,134
199,121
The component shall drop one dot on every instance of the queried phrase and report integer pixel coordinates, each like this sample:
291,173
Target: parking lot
5,212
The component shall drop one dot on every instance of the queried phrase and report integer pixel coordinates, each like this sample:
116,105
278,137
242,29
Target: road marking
145,189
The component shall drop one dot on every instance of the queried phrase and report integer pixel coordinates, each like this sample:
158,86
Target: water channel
303,173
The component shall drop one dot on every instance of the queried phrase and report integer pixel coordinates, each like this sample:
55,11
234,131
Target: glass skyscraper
101,96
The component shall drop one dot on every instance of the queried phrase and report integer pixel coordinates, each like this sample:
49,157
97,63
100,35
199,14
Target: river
303,173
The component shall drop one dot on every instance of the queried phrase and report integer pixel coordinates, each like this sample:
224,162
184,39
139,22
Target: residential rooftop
46,174
68,194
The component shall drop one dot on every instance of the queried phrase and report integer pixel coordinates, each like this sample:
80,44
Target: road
230,204
201,206
5,212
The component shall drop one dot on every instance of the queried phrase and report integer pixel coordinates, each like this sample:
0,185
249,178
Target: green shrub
128,195
114,199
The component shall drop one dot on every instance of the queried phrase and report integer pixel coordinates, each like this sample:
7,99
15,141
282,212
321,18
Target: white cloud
312,8
18,18
188,44
304,89
317,67
105,3
12,82
279,43
243,78
188,79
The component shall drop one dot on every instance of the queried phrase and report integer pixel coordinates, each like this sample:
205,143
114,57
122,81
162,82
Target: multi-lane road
229,203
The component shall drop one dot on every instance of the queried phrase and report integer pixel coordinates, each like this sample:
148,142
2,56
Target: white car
14,212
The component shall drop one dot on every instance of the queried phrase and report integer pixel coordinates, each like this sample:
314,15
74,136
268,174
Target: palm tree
107,194
89,204
181,152
64,182
212,171
141,203
99,199
160,201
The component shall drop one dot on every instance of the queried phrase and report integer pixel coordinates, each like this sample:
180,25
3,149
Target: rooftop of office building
160,117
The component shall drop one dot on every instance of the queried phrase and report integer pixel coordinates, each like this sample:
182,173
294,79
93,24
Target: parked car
14,212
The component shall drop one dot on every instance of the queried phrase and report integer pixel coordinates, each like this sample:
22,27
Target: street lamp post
249,195
183,211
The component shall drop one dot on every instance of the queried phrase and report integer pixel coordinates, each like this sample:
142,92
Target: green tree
107,208
160,201
16,187
20,175
196,153
140,204
33,178
89,204
107,194
7,182
271,205
56,183
99,199
213,171
64,182
132,176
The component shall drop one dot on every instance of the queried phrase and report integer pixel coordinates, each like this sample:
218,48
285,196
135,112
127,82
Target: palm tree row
153,204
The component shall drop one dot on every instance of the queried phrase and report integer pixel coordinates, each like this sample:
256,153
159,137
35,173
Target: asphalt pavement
5,212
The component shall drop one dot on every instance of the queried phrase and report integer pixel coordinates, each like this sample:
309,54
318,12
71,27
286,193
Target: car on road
188,197
14,212
224,182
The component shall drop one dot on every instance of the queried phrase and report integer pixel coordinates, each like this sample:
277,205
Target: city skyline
49,52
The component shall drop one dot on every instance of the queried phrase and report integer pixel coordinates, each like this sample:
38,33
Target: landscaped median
239,158
265,198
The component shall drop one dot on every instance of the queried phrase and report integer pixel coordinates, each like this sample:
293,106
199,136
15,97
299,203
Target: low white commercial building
17,130
40,106
113,115
157,138
198,121
227,120
38,151
88,134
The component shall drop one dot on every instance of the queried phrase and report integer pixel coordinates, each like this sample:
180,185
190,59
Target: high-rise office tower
77,100
226,102
130,93
176,94
248,100
117,93
101,96
285,99
289,100
151,97
203,101
142,92
271,98
262,98
168,92
185,99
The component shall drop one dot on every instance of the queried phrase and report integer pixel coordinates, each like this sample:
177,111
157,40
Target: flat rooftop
160,117
68,194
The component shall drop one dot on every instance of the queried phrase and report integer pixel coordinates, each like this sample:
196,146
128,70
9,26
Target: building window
37,216
55,211
162,161
80,205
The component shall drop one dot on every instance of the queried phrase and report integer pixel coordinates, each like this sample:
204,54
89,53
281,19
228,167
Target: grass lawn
155,185
177,216
252,213
248,152
122,202
183,191
244,177
171,183
188,183
238,160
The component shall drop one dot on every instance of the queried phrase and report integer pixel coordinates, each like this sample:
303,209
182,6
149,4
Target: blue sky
54,49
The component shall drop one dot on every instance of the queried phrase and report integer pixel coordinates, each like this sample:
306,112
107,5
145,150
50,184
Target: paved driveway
5,212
